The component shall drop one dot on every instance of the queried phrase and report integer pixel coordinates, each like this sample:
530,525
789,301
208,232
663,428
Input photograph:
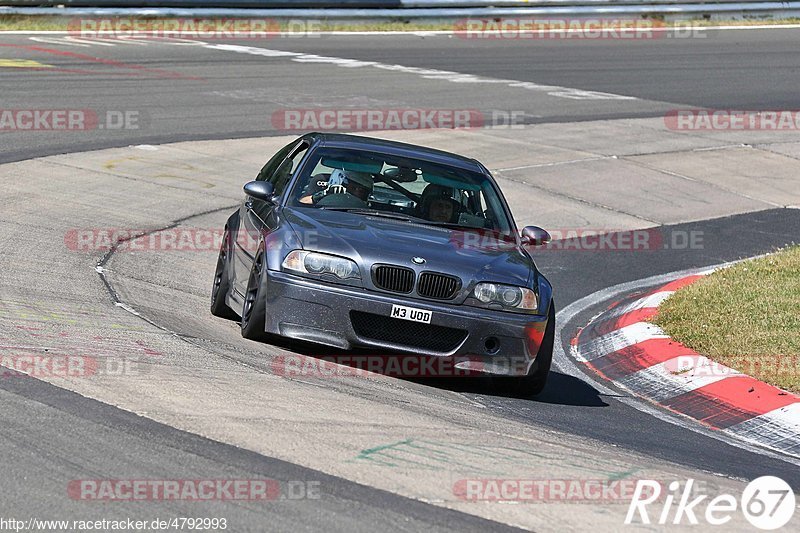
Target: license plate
411,313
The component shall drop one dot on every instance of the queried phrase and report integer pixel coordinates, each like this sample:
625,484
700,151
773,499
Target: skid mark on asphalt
426,73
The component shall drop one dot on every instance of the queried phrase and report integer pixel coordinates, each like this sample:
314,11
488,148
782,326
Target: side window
272,165
285,170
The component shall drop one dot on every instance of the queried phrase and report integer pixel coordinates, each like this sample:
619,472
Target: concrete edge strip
624,348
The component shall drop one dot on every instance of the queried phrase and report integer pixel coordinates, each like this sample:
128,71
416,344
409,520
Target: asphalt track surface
217,91
49,433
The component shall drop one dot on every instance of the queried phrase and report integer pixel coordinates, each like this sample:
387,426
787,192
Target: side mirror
534,236
260,190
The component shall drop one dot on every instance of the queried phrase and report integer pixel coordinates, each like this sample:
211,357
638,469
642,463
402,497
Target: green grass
25,23
59,23
746,317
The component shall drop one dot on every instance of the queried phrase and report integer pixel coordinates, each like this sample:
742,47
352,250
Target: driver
344,186
437,204
442,209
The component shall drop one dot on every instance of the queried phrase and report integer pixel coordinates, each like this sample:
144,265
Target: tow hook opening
491,345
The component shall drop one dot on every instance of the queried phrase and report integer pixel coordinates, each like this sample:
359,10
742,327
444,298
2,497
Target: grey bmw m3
354,242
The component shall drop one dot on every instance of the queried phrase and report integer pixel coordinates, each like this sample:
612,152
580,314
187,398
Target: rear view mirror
401,175
260,190
534,236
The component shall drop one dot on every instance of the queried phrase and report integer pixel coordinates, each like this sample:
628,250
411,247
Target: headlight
508,296
318,264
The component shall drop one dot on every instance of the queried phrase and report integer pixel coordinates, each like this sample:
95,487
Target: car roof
341,140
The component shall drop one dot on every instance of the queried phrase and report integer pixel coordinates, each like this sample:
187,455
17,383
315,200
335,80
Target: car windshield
400,187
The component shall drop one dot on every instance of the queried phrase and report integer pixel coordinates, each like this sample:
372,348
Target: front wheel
254,310
221,286
534,383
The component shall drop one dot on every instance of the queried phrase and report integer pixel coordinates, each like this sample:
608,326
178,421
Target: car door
254,215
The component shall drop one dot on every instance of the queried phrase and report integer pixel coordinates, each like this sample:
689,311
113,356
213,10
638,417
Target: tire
221,285
534,383
254,310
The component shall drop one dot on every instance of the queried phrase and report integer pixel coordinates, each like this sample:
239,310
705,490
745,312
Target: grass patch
59,23
29,23
746,317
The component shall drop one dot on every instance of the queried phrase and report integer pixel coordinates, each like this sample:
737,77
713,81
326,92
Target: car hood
368,240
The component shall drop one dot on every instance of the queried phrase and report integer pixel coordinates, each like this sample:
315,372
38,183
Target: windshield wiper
375,212
449,225
457,226
405,218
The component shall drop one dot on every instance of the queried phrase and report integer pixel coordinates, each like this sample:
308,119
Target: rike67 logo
767,502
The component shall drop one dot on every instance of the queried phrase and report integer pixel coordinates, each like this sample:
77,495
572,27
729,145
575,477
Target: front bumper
479,340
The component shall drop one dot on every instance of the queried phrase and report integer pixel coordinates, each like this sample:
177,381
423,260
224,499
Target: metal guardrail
401,9
353,4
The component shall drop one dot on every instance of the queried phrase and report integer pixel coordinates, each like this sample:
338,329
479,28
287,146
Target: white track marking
88,41
133,40
619,339
57,40
143,40
780,427
567,366
661,382
426,73
253,50
177,41
649,301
